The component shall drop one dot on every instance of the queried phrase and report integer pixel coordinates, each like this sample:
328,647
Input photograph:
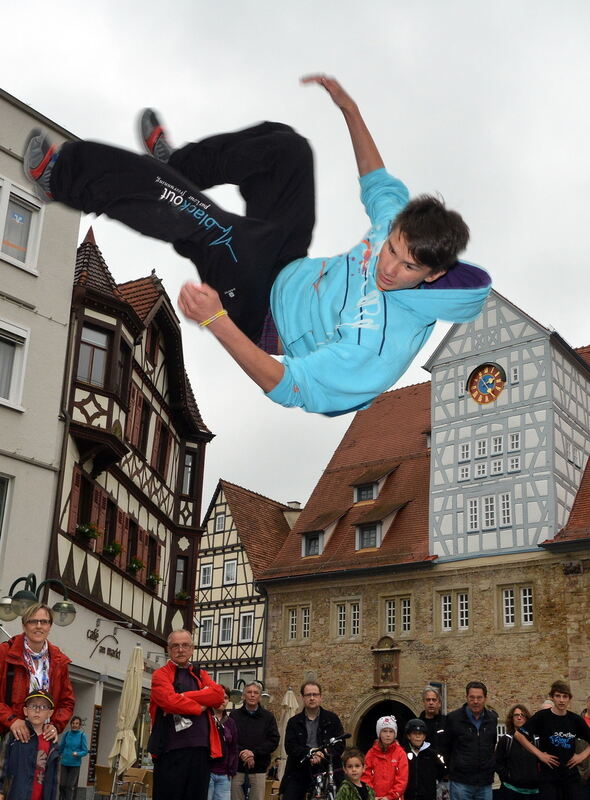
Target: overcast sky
486,103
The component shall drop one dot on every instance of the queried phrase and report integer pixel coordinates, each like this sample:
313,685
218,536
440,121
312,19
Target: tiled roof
260,522
91,269
142,294
584,352
578,524
386,439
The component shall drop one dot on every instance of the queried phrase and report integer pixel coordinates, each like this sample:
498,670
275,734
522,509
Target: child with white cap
386,763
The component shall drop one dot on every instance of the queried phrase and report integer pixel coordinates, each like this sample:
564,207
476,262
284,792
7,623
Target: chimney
293,513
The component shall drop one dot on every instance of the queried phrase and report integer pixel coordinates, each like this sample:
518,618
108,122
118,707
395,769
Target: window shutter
74,500
102,518
155,448
140,400
131,413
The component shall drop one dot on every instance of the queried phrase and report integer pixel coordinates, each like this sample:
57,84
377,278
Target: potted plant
153,579
86,532
134,565
112,549
181,598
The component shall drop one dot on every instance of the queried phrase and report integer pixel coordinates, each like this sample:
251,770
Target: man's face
311,696
432,704
252,696
561,701
476,700
180,648
75,725
397,269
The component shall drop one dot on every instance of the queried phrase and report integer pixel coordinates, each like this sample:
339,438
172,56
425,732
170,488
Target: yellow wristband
221,313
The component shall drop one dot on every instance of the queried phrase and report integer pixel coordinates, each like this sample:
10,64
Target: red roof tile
584,352
578,524
260,523
389,440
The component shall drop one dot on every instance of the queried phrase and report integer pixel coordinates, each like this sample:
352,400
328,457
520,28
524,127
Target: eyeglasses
518,714
39,708
184,646
44,622
312,694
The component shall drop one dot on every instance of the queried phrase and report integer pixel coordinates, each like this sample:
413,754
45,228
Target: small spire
89,237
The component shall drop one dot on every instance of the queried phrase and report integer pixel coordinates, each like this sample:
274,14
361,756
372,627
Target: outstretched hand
340,97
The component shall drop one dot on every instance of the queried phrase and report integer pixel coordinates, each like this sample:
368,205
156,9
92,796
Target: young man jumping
349,325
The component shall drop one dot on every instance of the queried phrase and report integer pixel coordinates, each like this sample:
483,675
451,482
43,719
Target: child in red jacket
386,763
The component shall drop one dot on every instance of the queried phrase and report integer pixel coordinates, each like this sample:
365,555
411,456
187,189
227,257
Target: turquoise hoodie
344,340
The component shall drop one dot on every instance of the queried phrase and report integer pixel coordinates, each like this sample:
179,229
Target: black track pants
239,256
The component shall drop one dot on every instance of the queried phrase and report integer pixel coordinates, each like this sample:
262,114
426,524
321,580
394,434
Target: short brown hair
352,752
560,686
310,683
32,610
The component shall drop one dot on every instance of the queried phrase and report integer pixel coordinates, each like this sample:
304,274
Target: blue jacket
345,341
19,769
73,742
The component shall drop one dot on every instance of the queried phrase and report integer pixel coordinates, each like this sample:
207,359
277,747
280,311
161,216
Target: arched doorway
366,729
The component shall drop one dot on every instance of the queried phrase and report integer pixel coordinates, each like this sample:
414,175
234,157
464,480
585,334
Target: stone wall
518,664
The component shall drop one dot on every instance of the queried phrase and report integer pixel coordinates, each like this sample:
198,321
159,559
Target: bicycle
324,786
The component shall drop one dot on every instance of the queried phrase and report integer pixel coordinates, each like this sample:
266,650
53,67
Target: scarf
38,666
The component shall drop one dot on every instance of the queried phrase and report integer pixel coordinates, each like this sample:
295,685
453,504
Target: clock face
485,383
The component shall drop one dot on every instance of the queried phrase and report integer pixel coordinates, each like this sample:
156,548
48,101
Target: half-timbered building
243,531
127,516
442,542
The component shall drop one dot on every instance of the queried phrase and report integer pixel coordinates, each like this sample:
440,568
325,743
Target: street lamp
15,604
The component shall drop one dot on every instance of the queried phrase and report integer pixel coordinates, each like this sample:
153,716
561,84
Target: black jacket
469,753
435,727
20,765
257,732
515,765
329,726
424,769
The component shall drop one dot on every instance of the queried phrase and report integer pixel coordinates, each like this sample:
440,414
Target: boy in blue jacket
348,326
30,768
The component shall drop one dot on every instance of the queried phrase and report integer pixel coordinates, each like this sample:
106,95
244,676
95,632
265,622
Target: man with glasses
184,735
312,727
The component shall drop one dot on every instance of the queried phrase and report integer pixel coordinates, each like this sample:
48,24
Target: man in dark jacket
312,727
468,745
258,738
432,715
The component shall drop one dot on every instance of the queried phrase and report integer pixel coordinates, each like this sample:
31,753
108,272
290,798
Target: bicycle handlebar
334,740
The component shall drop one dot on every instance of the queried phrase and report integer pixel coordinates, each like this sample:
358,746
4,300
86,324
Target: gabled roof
577,529
389,440
584,353
260,523
142,294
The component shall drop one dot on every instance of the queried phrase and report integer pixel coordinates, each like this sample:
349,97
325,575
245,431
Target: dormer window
312,544
365,491
368,536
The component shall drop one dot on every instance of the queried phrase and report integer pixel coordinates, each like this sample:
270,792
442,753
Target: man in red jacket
184,734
